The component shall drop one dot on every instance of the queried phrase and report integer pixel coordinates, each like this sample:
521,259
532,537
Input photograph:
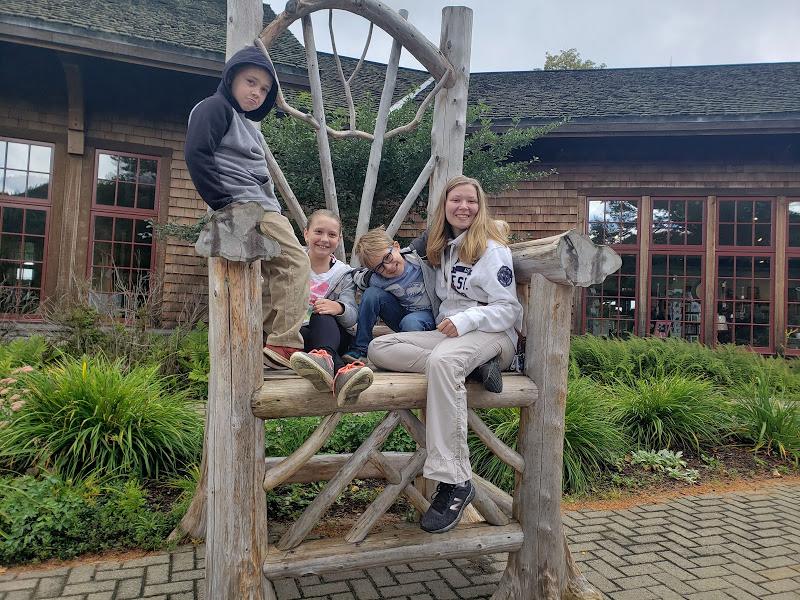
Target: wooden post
236,536
450,108
542,569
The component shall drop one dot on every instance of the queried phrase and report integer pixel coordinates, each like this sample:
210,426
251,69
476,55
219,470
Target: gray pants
446,361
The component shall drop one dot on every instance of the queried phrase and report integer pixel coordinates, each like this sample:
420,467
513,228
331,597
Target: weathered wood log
233,233
503,500
450,107
569,258
386,498
311,515
281,472
282,185
346,81
408,544
391,474
411,197
488,509
324,467
539,569
193,523
376,12
376,149
494,443
236,537
293,396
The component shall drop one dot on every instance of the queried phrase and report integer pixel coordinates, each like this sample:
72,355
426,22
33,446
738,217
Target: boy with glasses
393,287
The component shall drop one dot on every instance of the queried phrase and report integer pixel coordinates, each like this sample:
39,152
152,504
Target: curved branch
422,108
376,12
363,54
345,82
512,458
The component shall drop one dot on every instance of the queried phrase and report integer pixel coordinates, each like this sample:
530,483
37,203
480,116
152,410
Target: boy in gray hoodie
226,160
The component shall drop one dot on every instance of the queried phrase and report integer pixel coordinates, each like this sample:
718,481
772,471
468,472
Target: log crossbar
408,544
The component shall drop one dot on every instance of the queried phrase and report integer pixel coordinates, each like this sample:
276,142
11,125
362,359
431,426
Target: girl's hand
323,306
447,328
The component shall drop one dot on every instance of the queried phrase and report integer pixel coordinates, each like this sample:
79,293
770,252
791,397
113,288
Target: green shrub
56,518
194,362
671,411
593,439
31,351
90,416
767,421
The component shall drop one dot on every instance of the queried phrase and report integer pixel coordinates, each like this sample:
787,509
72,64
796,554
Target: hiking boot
350,381
316,366
447,507
490,375
354,356
279,355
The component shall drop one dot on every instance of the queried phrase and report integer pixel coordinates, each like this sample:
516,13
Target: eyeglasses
386,260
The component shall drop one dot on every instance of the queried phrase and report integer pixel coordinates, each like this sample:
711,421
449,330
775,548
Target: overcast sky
513,35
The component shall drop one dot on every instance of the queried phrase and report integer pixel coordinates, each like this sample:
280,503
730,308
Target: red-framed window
26,168
675,307
745,272
792,333
121,256
745,222
744,300
610,308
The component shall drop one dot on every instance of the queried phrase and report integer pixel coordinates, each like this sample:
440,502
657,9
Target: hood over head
249,55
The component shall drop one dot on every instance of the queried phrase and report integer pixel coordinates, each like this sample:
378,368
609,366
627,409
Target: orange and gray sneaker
316,366
279,355
350,381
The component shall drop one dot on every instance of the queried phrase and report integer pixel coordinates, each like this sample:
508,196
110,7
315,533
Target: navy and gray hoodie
224,147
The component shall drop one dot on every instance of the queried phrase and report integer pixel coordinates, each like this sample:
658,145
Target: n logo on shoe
457,504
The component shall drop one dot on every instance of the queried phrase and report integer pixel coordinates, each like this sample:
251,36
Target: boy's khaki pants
285,286
446,361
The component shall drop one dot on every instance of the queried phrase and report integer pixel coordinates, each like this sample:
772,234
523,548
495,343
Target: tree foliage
569,60
488,156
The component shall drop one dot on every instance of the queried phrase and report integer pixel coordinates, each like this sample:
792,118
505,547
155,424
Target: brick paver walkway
743,545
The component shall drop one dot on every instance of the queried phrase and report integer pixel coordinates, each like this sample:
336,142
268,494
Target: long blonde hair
483,228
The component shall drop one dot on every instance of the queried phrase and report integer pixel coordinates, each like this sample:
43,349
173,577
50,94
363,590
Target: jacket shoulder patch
505,276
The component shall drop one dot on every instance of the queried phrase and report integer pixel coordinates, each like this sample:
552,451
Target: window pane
727,211
694,234
744,234
141,257
17,157
105,192
108,167
122,255
762,267
694,265
744,266
761,337
142,232
695,211
744,211
102,253
148,170
677,210
597,210
123,232
38,185
40,159
15,183
35,222
762,235
127,168
794,212
12,219
725,235
11,247
33,249
146,197
125,194
3,146
103,227
763,211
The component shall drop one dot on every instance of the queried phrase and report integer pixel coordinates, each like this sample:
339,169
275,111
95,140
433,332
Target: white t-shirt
320,283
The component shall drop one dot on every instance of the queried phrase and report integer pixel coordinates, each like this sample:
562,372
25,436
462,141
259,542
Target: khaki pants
285,286
446,361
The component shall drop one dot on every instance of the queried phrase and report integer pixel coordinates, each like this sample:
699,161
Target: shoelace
357,364
323,354
444,495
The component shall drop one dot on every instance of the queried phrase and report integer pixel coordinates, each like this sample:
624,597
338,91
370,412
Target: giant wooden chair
239,561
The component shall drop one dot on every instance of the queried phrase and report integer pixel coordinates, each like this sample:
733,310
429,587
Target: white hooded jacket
482,296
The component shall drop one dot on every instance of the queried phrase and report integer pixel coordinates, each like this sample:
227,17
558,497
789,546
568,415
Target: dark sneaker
279,355
354,356
490,375
447,507
316,366
350,381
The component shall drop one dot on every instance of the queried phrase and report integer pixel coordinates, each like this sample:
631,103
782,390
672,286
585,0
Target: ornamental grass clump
91,416
672,411
768,421
593,439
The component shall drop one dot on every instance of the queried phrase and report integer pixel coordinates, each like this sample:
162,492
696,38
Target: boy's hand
447,328
323,306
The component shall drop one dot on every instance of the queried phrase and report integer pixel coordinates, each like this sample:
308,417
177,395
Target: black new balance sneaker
490,375
447,507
